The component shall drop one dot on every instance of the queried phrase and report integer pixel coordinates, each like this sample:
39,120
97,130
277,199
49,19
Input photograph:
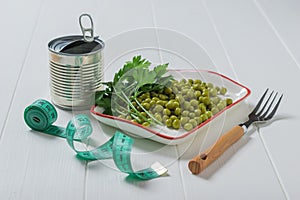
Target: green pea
139,108
197,81
163,97
214,110
177,111
210,85
147,100
179,98
152,102
213,92
172,96
168,90
158,108
168,122
228,101
176,104
221,105
143,96
146,105
190,81
173,117
197,112
134,103
223,91
170,105
160,102
197,93
128,117
201,99
155,99
166,111
176,124
194,102
198,119
139,100
188,126
147,124
202,107
186,105
193,122
158,117
185,113
195,86
184,91
134,121
208,114
205,92
192,115
203,85
144,114
184,120
175,90
165,117
206,100
190,94
216,100
203,117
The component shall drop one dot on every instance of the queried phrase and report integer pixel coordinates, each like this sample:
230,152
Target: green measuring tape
40,116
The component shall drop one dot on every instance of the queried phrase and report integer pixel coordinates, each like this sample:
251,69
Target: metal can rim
50,45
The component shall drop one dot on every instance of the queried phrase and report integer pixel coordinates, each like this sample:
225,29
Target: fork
204,159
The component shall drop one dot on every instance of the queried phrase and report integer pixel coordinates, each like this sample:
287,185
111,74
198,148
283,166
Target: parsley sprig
128,83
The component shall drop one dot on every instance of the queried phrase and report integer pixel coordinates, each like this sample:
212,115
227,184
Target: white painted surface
253,42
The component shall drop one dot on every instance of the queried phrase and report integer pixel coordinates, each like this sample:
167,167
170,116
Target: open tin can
76,68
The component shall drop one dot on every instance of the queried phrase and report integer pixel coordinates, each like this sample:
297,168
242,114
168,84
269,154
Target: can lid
74,44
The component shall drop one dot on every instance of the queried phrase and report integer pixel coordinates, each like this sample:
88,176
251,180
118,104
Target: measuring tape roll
40,116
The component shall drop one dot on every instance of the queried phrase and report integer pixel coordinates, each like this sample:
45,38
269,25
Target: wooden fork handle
201,161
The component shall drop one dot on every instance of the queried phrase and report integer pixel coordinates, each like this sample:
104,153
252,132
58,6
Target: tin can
76,69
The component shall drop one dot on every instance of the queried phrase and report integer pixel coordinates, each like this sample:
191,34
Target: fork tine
259,103
263,108
274,109
266,112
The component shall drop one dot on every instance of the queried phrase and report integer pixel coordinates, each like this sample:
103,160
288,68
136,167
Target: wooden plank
262,61
38,166
17,28
282,17
233,177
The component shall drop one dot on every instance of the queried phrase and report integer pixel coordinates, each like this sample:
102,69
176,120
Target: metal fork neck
244,127
247,123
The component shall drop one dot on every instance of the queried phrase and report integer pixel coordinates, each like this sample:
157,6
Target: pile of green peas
184,104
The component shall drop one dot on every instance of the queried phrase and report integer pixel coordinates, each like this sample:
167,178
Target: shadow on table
225,157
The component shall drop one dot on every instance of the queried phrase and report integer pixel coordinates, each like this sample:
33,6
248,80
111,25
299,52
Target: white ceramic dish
236,92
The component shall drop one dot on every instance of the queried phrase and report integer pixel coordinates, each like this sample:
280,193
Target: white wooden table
254,42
